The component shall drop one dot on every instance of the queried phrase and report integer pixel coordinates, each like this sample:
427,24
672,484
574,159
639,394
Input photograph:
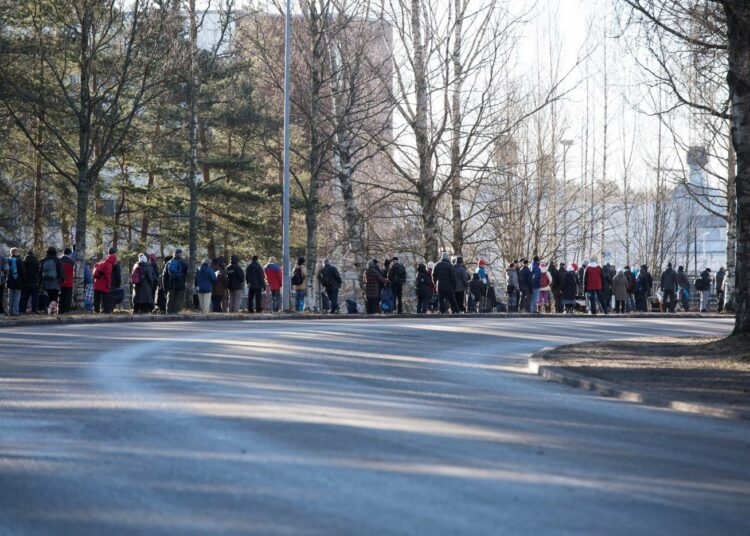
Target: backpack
175,269
99,271
49,270
297,278
700,284
325,278
137,276
397,275
116,275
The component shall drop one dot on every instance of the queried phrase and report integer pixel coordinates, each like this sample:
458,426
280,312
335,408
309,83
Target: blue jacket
205,278
536,275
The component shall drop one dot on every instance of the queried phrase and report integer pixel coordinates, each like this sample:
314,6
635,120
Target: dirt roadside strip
683,375
196,317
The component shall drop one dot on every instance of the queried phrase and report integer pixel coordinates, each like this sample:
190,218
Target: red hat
575,266
482,262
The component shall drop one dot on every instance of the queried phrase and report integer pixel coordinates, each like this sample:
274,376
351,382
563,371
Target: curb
538,365
118,318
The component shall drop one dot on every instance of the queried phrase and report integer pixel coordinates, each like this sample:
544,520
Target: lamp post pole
285,286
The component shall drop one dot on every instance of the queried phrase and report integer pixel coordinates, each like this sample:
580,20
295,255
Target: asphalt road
357,427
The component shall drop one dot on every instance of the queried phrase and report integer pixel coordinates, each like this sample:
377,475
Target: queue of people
447,285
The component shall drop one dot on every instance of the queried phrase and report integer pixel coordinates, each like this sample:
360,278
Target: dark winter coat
373,279
607,278
444,276
255,276
220,287
631,281
462,277
669,279
569,286
592,278
235,278
397,274
476,287
423,283
557,277
175,283
524,279
30,272
706,277
645,282
331,277
536,276
143,292
720,279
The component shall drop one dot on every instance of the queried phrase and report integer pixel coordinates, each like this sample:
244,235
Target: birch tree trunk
731,227
457,117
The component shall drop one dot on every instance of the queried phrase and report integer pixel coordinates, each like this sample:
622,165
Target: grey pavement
385,426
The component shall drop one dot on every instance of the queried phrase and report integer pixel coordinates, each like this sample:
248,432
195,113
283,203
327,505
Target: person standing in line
720,276
299,285
545,289
103,284
330,280
557,279
592,280
668,285
462,283
620,289
373,280
525,281
235,283
51,274
31,283
511,277
444,276
644,284
3,281
143,278
15,282
570,289
433,305
205,279
423,286
630,305
220,287
88,287
256,285
536,278
396,276
274,278
683,283
66,289
177,269
703,285
606,293
164,284
581,282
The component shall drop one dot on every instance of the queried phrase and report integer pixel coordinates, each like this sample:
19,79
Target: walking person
66,288
30,283
620,290
274,280
299,285
462,283
592,281
668,284
330,281
396,276
703,286
255,278
205,279
235,283
373,279
423,286
177,269
444,276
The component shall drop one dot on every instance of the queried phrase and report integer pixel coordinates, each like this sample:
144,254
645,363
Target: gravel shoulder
698,370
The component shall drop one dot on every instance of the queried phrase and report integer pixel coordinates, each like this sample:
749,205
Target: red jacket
273,276
103,274
69,267
592,278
